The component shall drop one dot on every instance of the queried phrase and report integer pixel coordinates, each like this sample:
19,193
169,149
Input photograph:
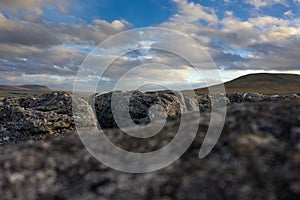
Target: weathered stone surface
60,102
257,97
191,104
36,117
51,113
254,97
257,157
235,98
218,100
174,103
139,104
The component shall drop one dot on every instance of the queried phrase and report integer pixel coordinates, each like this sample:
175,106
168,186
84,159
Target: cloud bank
36,50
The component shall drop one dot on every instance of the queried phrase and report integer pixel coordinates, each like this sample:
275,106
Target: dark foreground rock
257,157
172,104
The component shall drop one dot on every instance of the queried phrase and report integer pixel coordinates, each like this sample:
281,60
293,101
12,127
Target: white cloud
227,1
32,48
40,49
263,3
32,6
263,42
289,13
190,12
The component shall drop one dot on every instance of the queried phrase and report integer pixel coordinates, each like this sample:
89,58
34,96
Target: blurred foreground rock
257,157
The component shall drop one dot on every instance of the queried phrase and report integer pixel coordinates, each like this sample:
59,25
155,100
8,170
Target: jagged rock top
36,117
61,102
51,114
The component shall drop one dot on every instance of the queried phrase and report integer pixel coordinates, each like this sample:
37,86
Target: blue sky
45,41
143,13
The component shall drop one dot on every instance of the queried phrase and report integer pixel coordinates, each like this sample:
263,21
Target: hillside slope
262,83
17,90
24,87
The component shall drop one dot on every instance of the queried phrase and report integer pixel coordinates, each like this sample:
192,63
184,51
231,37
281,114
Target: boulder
138,107
293,96
255,97
191,104
275,97
36,117
235,98
218,100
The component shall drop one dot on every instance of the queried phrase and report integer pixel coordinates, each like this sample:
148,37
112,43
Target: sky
45,41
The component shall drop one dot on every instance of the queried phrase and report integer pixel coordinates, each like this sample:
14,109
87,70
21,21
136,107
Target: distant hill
21,90
24,87
262,83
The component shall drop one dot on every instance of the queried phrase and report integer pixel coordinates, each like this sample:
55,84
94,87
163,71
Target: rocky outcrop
257,97
36,117
139,106
51,114
257,157
254,97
